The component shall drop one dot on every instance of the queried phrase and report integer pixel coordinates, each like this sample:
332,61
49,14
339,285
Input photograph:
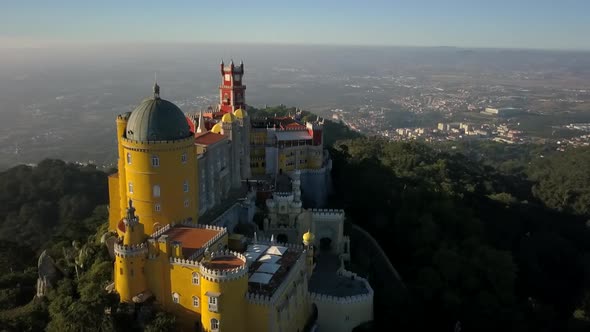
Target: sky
542,24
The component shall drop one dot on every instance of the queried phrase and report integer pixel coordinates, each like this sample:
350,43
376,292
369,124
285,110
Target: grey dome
157,119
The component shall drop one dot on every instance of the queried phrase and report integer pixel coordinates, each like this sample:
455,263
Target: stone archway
282,238
326,244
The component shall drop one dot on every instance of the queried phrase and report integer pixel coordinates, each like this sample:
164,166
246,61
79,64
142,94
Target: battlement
183,261
267,241
224,266
258,299
356,298
327,214
190,139
160,231
130,250
124,116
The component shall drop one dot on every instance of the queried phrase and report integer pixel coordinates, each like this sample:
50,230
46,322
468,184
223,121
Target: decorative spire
131,218
201,125
156,87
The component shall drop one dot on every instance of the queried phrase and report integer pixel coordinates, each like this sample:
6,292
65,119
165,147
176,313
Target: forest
493,236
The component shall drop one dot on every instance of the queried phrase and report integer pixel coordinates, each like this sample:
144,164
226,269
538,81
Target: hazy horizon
536,24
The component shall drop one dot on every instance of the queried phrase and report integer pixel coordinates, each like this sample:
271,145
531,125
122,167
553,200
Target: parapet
224,266
327,214
130,250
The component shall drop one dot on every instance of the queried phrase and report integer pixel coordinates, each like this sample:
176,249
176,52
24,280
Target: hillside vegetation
489,235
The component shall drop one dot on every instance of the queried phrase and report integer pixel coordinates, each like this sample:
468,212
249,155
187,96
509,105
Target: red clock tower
231,91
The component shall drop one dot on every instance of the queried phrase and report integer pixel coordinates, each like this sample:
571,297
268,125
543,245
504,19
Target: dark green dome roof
157,119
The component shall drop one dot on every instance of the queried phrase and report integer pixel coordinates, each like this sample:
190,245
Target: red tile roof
192,239
208,138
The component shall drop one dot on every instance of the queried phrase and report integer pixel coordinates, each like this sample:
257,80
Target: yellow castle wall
129,276
231,307
169,176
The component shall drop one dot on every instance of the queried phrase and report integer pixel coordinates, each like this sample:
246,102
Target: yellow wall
181,282
169,175
231,304
114,210
129,276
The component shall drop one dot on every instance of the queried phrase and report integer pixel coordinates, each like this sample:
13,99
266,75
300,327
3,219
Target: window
183,158
156,191
131,187
195,278
214,324
186,203
213,303
185,186
120,270
131,272
155,161
175,298
195,302
129,158
157,207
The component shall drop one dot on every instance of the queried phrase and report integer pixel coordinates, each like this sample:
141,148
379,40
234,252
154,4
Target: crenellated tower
231,91
130,256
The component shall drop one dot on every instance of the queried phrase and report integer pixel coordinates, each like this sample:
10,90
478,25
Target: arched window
195,302
185,186
155,161
131,187
214,324
175,297
183,158
186,203
129,158
157,207
195,278
156,191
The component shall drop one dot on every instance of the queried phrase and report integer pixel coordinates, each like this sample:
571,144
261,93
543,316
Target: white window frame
156,191
155,161
157,207
175,297
130,187
213,304
214,324
185,186
196,279
195,301
183,158
186,203
129,158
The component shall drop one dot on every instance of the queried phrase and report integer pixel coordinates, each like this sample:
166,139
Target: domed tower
224,283
244,122
157,163
130,256
308,239
231,130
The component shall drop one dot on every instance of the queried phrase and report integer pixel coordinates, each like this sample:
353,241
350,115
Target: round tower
224,283
130,256
159,164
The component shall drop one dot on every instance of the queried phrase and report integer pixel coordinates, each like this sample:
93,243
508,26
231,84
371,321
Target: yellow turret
130,256
217,128
240,113
227,118
308,239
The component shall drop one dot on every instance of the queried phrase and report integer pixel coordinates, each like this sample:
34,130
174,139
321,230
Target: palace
184,182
